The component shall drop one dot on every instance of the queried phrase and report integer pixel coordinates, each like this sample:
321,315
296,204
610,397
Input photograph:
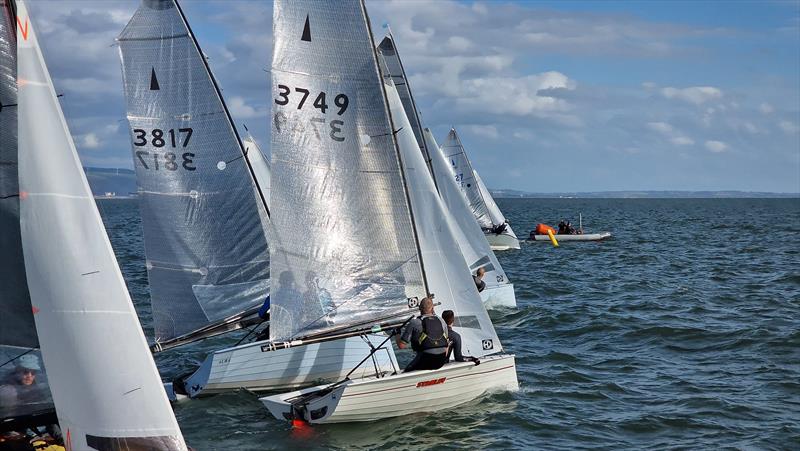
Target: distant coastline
513,194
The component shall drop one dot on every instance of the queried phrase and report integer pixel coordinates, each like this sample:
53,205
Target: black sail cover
344,250
204,226
18,339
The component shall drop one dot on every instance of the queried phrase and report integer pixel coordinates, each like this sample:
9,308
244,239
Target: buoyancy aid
434,333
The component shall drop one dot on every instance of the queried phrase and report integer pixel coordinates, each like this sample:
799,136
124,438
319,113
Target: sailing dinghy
205,217
104,383
495,227
364,179
477,253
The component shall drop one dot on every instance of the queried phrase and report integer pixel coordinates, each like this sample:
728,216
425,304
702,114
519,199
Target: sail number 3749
340,101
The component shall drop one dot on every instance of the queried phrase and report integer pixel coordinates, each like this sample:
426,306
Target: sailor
478,279
570,229
21,387
562,227
427,335
455,340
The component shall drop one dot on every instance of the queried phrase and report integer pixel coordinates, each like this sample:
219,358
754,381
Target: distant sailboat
365,179
204,200
495,226
104,382
499,290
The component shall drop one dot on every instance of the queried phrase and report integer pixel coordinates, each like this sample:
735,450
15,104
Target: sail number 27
158,138
340,101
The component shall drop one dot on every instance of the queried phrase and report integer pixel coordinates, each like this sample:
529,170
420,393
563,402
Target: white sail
259,163
494,211
448,276
474,246
464,175
106,389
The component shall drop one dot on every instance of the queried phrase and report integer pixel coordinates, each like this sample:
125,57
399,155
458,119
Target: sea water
683,330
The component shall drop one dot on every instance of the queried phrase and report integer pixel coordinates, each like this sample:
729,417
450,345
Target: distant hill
122,182
509,193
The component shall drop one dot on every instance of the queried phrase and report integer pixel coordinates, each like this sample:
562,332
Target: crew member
427,335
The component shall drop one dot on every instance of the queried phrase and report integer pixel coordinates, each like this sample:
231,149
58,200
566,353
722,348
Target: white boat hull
502,242
402,394
582,237
499,296
248,367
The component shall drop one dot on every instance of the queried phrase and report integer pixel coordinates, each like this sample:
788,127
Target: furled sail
445,268
204,227
344,250
105,384
473,244
474,247
462,171
19,357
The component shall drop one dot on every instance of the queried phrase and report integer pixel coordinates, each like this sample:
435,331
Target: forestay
462,171
107,392
345,250
204,234
445,268
18,338
476,250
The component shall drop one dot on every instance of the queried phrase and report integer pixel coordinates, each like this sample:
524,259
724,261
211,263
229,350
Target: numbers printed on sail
158,139
166,161
317,126
341,101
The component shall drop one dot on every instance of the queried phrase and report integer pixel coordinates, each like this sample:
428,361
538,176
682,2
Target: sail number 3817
158,139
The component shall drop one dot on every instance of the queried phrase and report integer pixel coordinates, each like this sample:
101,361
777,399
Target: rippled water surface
681,331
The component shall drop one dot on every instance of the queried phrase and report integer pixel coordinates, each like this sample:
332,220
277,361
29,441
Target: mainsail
203,219
105,384
464,175
473,244
345,249
445,268
494,211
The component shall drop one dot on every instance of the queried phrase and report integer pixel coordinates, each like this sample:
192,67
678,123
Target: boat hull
499,296
402,394
502,242
582,237
248,367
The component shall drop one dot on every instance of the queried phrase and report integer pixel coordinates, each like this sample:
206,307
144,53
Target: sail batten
203,216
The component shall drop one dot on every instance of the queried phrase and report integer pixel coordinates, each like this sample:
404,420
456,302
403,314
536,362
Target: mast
224,106
396,147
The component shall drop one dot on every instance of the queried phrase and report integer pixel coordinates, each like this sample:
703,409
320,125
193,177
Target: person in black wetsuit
478,279
427,335
455,340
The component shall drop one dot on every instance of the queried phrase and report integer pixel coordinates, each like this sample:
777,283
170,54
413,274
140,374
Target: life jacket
434,333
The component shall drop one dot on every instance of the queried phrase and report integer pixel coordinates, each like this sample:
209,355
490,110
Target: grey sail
462,171
18,328
344,250
397,73
207,256
18,339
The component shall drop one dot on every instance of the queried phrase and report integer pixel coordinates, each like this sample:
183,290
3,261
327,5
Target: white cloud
682,141
242,110
488,131
661,127
766,108
90,141
788,127
716,146
695,94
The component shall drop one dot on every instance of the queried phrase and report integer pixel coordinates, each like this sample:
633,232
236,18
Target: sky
547,96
